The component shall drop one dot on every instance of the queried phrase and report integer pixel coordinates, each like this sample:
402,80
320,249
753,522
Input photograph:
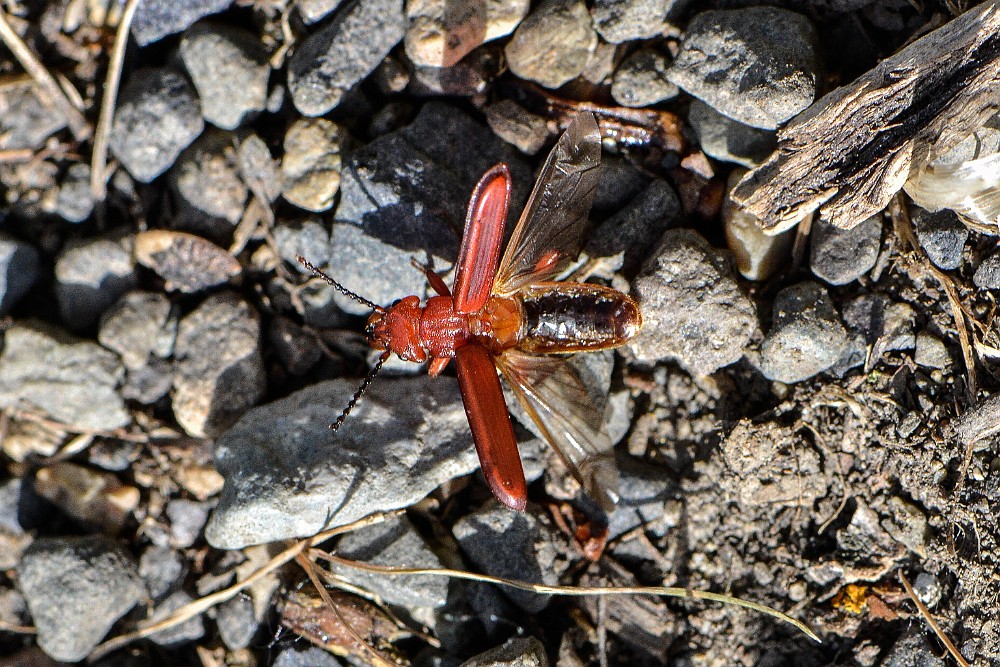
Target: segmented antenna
361,390
340,288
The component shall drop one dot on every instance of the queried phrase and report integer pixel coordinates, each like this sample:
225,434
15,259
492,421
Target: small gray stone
620,21
912,650
74,203
237,622
69,380
259,170
18,271
928,589
516,125
162,568
310,167
554,44
645,490
25,120
987,276
931,352
308,238
186,632
442,33
516,652
138,326
219,369
881,322
394,542
187,518
467,78
297,348
757,65
288,475
229,68
806,336
641,79
693,309
728,140
312,11
840,256
306,656
90,276
207,180
155,19
158,116
14,538
620,182
186,262
332,60
515,545
629,234
942,235
76,588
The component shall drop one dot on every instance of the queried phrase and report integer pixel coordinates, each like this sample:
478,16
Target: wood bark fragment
852,150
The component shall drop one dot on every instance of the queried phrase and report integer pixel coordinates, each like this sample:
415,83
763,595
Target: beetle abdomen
573,317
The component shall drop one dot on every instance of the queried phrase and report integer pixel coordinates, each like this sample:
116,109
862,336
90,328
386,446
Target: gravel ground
801,423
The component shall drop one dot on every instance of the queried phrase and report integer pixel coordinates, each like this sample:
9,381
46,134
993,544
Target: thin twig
49,87
99,156
931,622
577,591
18,629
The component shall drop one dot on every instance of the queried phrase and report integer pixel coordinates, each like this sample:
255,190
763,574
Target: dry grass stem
47,84
931,622
578,591
99,155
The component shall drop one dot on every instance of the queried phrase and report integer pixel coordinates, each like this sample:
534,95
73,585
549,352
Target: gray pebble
620,182
928,589
399,200
90,275
441,34
14,539
912,650
516,125
76,588
308,238
693,309
155,19
74,202
840,256
186,262
987,276
942,235
310,167
393,542
138,326
186,632
288,475
229,68
515,545
237,622
645,490
158,116
25,120
187,518
624,20
296,348
162,568
641,79
629,235
212,194
335,58
757,65
306,656
806,336
515,652
881,322
219,371
728,140
553,44
70,380
312,11
18,271
467,78
931,351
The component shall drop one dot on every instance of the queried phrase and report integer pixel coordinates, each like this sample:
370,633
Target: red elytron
512,315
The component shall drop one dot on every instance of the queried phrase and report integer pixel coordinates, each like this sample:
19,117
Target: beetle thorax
397,329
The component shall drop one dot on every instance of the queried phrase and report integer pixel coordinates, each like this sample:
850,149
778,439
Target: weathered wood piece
852,150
